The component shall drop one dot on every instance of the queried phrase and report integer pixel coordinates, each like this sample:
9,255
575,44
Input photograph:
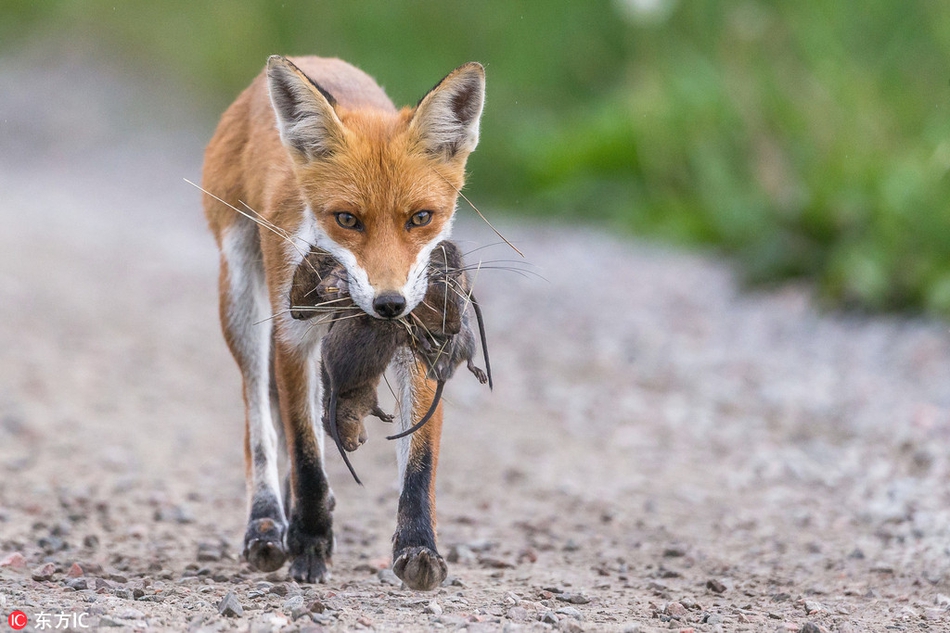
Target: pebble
174,514
434,608
209,552
570,626
77,583
571,612
573,598
230,607
461,553
549,617
715,585
16,560
44,572
676,610
389,577
518,614
493,562
813,606
280,589
811,627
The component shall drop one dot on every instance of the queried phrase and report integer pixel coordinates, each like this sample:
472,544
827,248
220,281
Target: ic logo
17,620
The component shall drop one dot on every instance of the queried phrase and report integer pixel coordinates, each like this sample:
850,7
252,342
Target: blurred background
805,139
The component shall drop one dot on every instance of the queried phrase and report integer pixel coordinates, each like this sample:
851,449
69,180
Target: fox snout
389,305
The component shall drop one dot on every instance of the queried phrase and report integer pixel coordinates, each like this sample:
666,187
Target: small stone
571,612
453,581
570,626
44,572
118,578
102,583
124,593
675,610
280,589
714,618
674,551
137,593
130,614
573,598
174,514
209,552
493,562
813,606
16,560
317,607
75,571
107,621
77,583
715,585
434,608
548,617
461,553
389,577
518,614
90,541
295,606
230,607
528,555
571,545
810,627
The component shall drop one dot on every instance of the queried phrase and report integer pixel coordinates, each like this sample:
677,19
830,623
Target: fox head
382,185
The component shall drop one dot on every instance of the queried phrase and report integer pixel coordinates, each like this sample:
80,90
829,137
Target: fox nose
389,304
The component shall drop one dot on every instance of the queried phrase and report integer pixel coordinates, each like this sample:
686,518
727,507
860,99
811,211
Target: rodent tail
418,425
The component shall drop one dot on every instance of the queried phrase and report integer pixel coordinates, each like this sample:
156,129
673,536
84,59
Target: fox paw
264,545
420,568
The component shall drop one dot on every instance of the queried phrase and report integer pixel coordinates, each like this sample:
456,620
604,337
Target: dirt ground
662,451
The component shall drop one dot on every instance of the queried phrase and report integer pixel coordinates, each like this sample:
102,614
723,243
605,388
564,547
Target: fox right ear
446,120
308,124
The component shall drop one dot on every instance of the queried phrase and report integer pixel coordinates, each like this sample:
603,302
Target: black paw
420,568
311,554
264,545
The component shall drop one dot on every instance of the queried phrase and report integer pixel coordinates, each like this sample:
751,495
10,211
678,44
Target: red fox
314,154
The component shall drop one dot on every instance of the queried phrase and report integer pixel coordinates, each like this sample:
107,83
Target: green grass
806,139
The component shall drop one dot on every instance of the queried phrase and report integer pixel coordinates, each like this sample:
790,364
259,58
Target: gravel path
661,451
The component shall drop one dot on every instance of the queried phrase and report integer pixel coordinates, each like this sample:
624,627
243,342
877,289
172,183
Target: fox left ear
446,119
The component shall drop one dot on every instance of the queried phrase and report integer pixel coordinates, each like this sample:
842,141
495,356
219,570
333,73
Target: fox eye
420,218
349,221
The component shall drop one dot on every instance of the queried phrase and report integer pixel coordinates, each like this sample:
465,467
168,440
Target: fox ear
446,119
308,124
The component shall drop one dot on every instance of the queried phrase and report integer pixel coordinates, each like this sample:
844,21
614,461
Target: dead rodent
354,353
441,330
358,348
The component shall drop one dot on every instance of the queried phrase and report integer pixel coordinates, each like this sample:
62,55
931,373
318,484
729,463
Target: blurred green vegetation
806,139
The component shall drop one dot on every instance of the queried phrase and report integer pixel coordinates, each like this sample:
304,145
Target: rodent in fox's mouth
358,348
